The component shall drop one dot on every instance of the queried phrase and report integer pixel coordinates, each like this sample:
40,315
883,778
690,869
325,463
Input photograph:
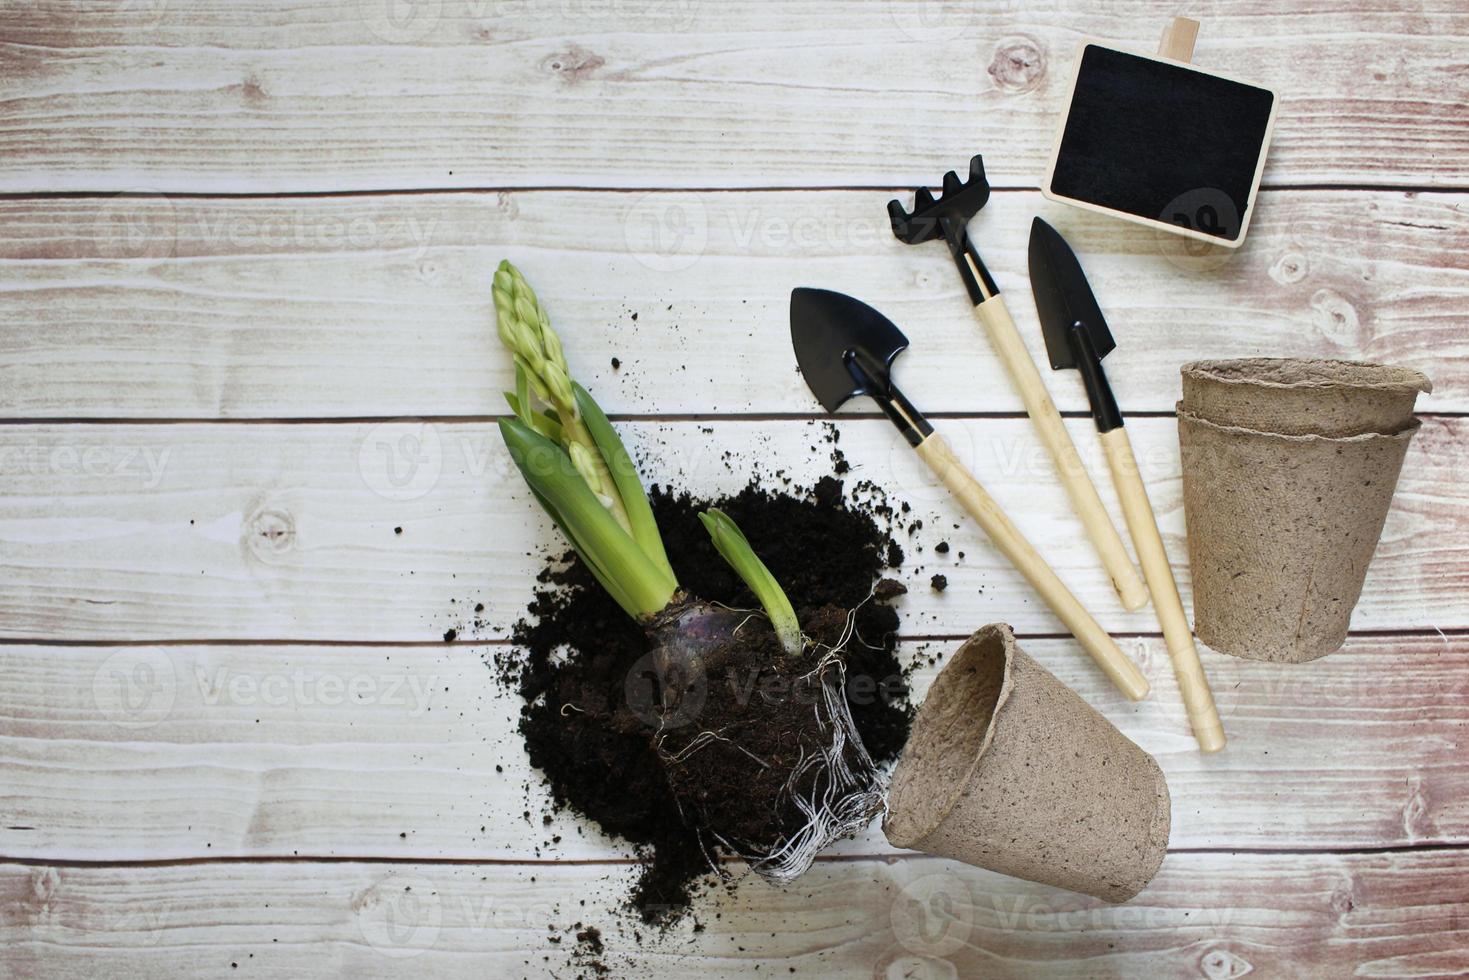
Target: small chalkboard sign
1156,140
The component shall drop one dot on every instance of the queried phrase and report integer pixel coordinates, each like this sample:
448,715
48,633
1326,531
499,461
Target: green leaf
614,589
624,478
734,547
641,587
544,422
549,425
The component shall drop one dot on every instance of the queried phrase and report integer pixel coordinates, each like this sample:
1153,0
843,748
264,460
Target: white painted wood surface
227,745
270,96
171,752
1209,915
378,306
286,531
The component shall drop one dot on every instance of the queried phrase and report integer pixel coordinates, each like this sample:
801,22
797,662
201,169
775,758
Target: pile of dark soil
576,650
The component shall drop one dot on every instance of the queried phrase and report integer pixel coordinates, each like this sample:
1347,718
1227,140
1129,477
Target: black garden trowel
1077,337
846,348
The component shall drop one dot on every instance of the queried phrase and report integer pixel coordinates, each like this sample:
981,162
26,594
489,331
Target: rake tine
947,218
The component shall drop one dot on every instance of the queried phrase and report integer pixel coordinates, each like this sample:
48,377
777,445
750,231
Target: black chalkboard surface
1161,142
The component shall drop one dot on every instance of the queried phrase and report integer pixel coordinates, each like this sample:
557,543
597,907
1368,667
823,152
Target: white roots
838,789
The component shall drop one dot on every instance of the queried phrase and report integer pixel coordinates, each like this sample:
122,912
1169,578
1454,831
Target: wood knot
1342,901
1417,812
1290,268
915,966
44,882
252,92
269,533
573,65
1336,317
1221,964
1019,65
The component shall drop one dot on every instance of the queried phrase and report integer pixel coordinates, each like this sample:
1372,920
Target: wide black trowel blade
1063,297
845,348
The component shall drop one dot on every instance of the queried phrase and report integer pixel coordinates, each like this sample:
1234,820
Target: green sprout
734,548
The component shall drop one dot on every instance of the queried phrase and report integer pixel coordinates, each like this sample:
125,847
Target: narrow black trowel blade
1063,296
829,331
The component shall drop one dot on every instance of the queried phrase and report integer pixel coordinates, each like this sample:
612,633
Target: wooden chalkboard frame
1170,227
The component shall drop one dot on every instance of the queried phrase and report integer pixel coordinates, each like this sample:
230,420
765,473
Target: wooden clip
1178,39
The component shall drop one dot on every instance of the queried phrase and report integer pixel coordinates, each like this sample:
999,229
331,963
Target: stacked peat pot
1289,467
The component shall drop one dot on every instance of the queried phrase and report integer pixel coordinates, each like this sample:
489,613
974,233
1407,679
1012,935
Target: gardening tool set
1288,470
845,349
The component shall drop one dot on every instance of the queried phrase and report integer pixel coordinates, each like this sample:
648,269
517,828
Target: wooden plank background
188,307
245,332
261,96
395,751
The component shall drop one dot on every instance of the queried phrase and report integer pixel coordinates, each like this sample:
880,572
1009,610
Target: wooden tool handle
1042,411
1143,525
1022,554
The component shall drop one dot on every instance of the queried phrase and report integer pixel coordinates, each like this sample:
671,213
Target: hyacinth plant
582,475
580,472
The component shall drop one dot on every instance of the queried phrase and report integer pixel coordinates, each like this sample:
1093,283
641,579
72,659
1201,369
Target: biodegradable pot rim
1411,427
923,815
1328,374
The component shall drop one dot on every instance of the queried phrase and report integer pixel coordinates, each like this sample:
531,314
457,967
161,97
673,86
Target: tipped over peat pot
1281,529
1300,396
1008,769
